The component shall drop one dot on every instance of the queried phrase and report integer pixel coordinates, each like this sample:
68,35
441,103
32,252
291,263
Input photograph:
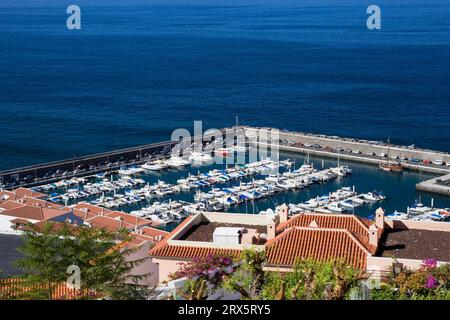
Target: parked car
438,162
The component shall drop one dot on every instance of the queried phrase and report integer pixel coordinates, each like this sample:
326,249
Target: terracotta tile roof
8,205
316,243
22,192
85,215
145,234
189,252
130,219
34,212
38,202
19,193
6,195
110,224
152,234
165,250
13,287
349,222
89,212
91,209
333,237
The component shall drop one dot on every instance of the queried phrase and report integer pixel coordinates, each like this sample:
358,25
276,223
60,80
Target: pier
436,185
83,166
364,151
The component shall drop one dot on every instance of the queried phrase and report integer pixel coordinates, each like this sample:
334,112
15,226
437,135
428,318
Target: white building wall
6,225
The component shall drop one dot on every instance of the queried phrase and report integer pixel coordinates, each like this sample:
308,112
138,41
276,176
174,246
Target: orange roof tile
130,219
152,234
8,205
349,222
183,252
191,252
92,209
108,223
20,193
316,243
34,212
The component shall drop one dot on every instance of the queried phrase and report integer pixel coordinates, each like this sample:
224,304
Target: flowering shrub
212,268
313,280
428,282
204,275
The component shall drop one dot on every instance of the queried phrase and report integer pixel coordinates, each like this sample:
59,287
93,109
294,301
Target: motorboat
200,157
154,166
397,216
335,208
177,162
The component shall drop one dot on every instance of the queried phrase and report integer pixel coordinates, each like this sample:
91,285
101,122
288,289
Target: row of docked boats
218,198
163,213
201,180
112,195
343,200
174,162
419,212
90,189
177,162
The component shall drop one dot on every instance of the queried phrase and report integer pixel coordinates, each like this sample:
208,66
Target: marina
167,194
151,183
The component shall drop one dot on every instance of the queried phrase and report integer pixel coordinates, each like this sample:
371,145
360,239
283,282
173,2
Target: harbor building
362,243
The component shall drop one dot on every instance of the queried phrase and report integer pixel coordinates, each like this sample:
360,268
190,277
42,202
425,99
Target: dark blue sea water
136,72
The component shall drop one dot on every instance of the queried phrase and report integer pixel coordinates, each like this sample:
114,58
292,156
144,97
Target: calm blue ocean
136,72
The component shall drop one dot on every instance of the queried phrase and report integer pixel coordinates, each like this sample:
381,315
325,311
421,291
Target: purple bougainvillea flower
430,263
431,282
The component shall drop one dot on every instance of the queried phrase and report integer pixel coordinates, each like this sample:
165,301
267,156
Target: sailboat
390,166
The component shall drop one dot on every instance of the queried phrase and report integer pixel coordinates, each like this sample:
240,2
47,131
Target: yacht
161,219
177,162
397,216
200,157
335,208
154,166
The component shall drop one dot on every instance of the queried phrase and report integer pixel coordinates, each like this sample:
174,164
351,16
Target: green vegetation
103,263
430,282
204,276
313,280
308,280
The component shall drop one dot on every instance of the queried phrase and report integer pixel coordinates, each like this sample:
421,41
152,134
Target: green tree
248,278
312,280
105,262
42,262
